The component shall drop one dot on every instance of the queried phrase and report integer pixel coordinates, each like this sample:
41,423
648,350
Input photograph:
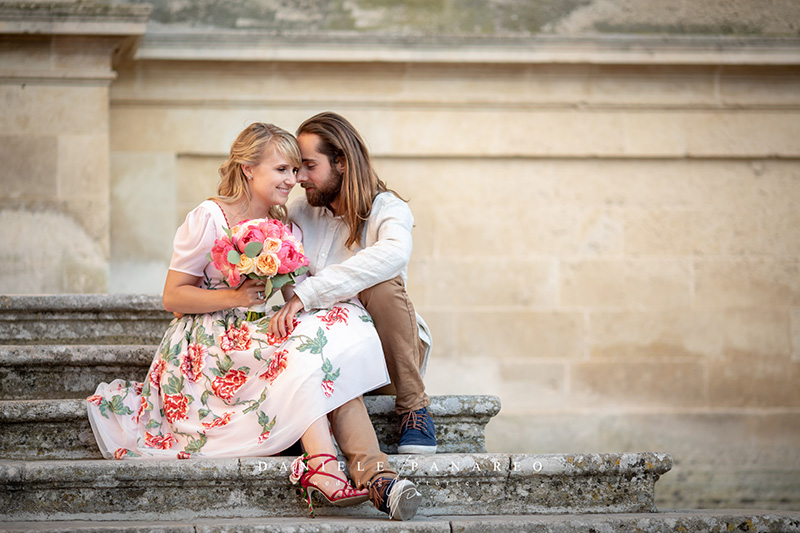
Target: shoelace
415,421
378,491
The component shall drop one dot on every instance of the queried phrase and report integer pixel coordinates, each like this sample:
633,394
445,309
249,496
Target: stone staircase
55,349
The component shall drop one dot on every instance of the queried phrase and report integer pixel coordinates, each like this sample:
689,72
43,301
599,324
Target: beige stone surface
635,385
631,283
747,282
521,333
753,381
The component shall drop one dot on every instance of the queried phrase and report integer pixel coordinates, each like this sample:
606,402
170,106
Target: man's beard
323,196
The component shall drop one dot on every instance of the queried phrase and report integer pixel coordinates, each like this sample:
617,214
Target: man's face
321,181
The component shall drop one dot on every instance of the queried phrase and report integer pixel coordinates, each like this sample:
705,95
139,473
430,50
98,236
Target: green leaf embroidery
173,385
117,407
195,445
265,422
314,345
202,413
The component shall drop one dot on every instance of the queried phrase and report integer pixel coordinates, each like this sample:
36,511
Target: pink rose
184,455
327,388
272,228
264,436
219,258
291,257
250,234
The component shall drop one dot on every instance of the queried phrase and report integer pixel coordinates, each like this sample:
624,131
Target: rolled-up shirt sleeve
193,241
386,258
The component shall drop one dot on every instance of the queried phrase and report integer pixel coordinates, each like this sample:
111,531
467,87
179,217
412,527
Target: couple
223,386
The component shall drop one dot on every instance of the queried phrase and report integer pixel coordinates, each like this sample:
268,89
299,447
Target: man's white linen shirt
338,272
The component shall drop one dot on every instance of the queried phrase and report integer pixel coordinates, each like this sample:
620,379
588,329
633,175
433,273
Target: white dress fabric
221,386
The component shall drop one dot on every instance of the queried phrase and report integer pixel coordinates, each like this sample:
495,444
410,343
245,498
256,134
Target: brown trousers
396,323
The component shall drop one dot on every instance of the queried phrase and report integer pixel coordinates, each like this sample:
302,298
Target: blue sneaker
398,498
417,433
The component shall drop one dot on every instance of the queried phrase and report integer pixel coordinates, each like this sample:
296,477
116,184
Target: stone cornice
192,45
73,17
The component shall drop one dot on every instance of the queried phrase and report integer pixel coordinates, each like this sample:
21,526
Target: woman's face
273,179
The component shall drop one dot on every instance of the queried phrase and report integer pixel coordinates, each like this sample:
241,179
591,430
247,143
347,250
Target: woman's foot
323,475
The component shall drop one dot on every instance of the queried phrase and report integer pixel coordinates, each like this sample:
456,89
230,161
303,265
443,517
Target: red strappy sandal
342,497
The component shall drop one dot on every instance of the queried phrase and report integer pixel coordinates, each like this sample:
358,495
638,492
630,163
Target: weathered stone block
699,334
635,384
78,319
644,283
754,382
523,333
59,429
746,282
451,484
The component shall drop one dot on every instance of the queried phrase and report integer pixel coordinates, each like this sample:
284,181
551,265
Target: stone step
706,521
451,484
59,429
68,371
82,319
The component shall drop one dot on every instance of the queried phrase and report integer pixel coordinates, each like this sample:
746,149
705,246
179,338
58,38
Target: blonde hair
340,141
251,146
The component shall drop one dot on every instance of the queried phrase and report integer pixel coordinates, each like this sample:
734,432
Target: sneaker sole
412,449
407,501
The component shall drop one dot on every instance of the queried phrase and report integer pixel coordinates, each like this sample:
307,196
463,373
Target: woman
222,386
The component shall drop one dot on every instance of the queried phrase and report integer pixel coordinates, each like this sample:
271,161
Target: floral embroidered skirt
221,386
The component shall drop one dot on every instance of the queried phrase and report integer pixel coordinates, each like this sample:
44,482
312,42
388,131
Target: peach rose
246,265
267,264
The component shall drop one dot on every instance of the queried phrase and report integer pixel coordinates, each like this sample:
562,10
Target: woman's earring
250,177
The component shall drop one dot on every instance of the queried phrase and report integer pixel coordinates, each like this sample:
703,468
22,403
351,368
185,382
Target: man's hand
281,323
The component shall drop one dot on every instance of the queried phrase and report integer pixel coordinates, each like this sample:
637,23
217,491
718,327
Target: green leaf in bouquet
268,286
253,249
280,280
234,257
227,231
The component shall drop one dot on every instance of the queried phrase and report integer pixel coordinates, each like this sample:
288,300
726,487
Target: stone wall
606,223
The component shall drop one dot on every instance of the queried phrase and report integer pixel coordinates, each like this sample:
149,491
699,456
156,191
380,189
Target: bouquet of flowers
260,248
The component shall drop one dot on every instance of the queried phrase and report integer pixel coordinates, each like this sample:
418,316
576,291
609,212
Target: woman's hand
282,322
250,293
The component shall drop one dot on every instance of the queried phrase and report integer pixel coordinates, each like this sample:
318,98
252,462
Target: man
357,236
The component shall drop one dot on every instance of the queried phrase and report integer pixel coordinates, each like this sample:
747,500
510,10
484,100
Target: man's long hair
340,141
